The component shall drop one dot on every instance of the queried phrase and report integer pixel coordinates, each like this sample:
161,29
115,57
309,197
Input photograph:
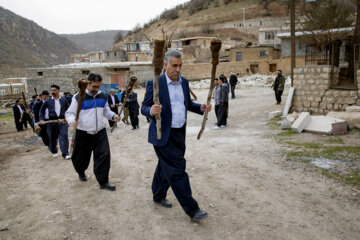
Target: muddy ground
240,175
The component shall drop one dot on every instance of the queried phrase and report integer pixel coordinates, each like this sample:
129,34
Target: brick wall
313,92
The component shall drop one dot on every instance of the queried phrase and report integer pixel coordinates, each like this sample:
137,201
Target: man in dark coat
18,113
233,82
278,86
36,111
113,102
133,106
57,107
175,101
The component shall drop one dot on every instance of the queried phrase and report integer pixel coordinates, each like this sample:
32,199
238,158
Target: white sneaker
55,155
223,126
216,128
67,157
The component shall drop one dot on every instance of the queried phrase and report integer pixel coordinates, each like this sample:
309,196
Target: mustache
175,74
53,94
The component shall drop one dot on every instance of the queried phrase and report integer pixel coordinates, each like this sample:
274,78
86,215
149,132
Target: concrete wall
313,91
203,70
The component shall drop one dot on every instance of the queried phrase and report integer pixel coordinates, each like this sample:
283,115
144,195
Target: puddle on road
323,163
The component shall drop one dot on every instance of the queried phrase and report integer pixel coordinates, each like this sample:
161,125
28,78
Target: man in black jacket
18,113
57,107
133,106
233,82
113,102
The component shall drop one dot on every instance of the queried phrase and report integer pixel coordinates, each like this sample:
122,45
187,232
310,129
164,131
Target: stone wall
313,92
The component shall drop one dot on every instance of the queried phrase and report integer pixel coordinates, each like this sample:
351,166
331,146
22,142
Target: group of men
131,107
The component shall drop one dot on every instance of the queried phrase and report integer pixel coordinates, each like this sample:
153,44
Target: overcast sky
81,16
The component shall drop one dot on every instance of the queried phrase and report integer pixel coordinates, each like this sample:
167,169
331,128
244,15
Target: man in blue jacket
56,107
175,101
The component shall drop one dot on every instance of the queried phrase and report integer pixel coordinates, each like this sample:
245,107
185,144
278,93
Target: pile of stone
315,124
256,80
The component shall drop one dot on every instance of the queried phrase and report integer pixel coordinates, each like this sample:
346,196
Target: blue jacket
50,104
36,110
166,114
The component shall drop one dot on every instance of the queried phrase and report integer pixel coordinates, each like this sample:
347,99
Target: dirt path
237,174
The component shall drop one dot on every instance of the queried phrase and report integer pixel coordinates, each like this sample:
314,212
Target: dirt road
238,175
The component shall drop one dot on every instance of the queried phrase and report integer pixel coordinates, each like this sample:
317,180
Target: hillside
23,43
205,17
94,41
216,18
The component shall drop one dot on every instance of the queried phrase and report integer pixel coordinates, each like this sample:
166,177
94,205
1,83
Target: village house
67,75
262,60
138,51
194,49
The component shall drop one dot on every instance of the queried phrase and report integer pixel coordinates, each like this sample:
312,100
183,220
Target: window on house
263,53
40,73
269,35
85,72
115,54
272,67
260,23
238,56
16,91
2,92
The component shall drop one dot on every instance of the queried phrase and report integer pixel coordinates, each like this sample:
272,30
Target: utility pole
292,38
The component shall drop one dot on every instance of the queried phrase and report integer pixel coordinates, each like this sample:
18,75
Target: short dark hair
45,92
280,71
17,100
94,77
55,86
34,96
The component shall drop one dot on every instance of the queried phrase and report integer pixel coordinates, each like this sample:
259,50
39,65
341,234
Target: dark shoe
108,186
82,177
199,215
164,202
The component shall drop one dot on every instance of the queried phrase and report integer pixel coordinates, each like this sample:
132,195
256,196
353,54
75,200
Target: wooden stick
158,61
193,94
82,84
215,48
37,127
35,91
129,88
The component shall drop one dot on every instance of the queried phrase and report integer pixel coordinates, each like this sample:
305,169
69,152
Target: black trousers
44,135
217,110
86,143
134,118
59,131
232,91
18,125
170,172
27,119
115,110
222,114
278,94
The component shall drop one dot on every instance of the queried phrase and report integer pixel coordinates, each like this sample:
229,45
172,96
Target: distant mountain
95,41
23,43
